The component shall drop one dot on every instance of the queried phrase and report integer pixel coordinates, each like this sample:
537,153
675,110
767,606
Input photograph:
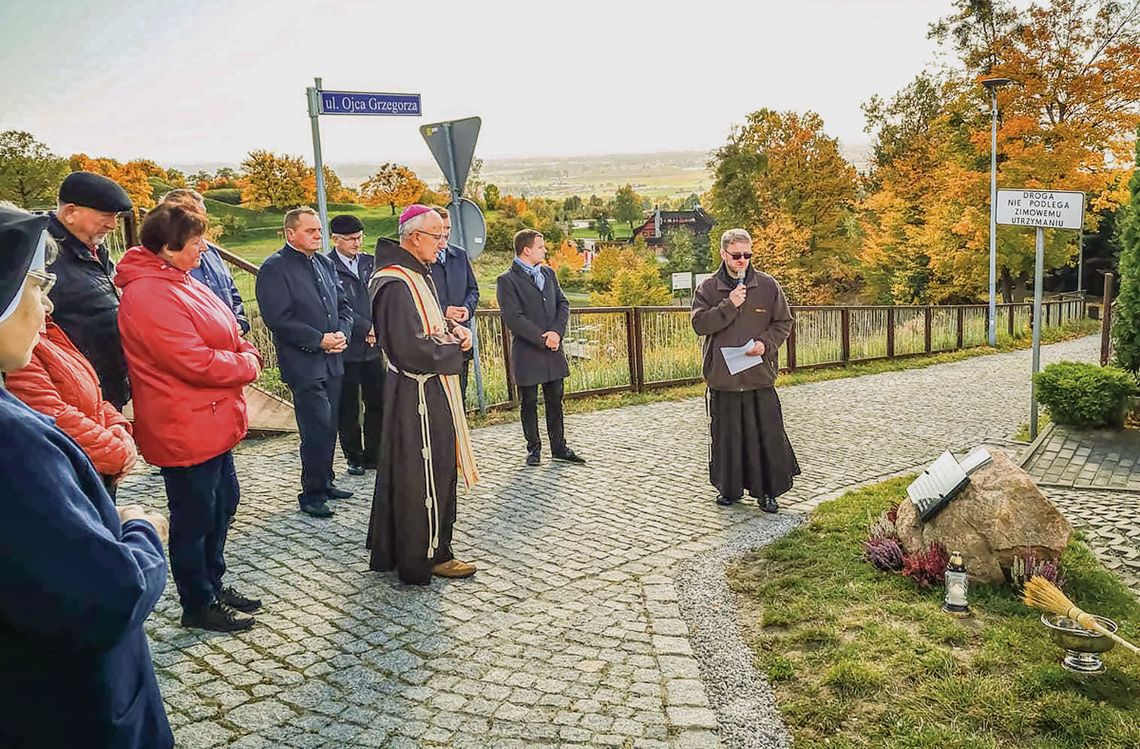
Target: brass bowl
1082,646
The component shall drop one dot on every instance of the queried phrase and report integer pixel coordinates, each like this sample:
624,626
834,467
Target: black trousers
552,395
315,403
363,380
201,499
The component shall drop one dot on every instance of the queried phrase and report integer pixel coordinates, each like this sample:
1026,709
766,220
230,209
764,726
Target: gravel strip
739,695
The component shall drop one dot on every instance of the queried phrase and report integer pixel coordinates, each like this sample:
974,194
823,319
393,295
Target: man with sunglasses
740,306
363,369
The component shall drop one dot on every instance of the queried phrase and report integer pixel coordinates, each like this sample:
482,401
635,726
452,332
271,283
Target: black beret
94,191
19,237
345,223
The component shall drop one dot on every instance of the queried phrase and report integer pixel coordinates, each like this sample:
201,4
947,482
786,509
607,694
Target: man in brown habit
740,306
424,443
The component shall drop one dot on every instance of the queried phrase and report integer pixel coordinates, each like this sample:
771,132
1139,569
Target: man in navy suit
363,367
536,312
458,290
302,302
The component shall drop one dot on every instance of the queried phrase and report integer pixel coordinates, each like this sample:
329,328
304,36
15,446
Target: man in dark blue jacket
77,577
303,304
86,300
363,368
458,290
212,271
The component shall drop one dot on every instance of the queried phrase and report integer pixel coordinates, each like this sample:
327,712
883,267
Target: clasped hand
464,336
551,340
334,343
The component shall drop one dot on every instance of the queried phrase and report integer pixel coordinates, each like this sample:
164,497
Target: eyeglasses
46,281
740,255
436,237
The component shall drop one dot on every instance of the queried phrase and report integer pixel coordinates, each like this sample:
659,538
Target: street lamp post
992,85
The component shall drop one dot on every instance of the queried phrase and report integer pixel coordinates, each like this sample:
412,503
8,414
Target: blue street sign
358,102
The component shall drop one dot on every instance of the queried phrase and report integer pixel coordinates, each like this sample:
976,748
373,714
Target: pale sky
209,80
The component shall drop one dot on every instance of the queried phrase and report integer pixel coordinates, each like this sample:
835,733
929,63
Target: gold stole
431,317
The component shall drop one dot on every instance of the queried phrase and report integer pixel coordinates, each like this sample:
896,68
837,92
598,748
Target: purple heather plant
884,552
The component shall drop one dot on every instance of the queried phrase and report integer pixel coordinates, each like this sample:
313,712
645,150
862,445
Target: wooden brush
1042,594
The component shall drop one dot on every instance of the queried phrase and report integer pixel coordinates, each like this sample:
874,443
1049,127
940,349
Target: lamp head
992,84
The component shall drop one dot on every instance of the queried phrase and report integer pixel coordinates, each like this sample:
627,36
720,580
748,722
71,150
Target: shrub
1126,314
232,226
884,552
1084,395
926,567
224,195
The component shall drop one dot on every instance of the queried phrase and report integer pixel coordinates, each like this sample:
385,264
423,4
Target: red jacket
60,383
187,362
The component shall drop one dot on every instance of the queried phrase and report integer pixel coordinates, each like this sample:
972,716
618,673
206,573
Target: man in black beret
363,367
86,301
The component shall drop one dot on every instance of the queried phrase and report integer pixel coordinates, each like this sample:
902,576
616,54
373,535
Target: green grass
263,235
860,658
1042,422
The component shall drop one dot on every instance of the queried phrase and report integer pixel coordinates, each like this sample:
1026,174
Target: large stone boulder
999,515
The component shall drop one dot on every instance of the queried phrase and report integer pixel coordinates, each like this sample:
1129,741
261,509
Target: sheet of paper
737,360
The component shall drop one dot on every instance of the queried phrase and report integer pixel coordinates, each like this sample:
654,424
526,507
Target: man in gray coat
536,312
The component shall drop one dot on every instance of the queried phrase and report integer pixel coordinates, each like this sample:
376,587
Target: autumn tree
895,268
567,263
133,176
392,185
782,178
30,174
627,206
274,181
491,197
632,278
174,178
335,190
1068,124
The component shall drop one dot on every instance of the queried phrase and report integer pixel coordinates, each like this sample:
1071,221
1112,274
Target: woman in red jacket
59,382
188,364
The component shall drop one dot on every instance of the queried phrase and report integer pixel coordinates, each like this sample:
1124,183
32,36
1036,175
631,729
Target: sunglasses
740,255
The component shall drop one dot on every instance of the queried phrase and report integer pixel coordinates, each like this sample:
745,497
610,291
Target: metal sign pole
314,94
992,332
1038,281
457,224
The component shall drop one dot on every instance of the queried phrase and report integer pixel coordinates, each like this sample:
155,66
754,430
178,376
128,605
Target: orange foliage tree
132,176
782,178
1067,124
392,185
273,181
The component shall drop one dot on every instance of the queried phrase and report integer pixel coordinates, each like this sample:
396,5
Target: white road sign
1049,209
682,281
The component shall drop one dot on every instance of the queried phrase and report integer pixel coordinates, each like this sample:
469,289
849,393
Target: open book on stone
937,485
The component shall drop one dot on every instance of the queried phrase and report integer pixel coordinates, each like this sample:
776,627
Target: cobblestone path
571,633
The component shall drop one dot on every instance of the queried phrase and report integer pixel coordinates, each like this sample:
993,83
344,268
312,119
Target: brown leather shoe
454,568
